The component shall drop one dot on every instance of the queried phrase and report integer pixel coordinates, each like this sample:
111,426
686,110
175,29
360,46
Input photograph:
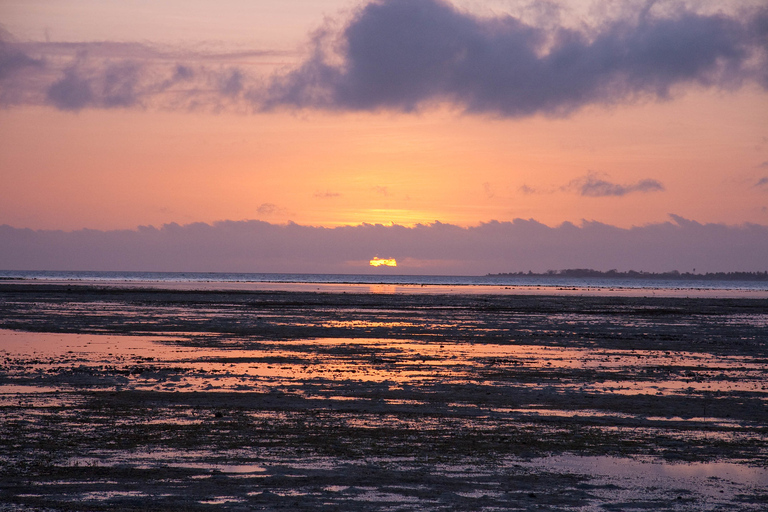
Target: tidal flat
131,398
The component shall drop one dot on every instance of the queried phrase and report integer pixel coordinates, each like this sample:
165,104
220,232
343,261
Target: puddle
715,484
110,495
221,500
11,389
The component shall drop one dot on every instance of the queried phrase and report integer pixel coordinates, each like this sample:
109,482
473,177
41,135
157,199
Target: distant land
632,274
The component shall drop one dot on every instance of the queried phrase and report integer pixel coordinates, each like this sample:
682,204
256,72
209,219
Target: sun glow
386,262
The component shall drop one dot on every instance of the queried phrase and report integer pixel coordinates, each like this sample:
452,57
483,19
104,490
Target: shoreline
387,289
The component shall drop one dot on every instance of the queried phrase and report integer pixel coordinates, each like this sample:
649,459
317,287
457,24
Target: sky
470,136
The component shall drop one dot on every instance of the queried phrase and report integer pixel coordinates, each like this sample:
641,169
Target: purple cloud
72,92
116,85
232,83
13,60
269,209
75,76
15,66
593,186
327,194
404,55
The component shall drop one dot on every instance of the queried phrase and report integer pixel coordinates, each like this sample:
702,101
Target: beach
171,397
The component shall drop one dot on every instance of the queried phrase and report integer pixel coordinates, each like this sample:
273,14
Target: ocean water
386,279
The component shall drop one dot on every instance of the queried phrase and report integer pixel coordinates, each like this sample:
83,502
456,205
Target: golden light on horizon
383,262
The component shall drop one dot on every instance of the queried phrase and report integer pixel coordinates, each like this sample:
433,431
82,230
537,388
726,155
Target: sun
383,262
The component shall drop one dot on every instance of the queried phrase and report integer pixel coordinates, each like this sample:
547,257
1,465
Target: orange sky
110,168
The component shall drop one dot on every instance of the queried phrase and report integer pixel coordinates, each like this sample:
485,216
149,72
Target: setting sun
385,262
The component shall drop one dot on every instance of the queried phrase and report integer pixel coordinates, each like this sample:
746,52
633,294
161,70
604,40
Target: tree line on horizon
634,274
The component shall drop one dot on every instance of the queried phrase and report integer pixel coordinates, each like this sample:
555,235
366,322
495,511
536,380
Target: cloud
92,83
327,194
13,60
72,92
596,185
120,83
104,75
592,185
181,74
232,83
762,182
269,209
117,85
408,55
16,66
404,55
520,245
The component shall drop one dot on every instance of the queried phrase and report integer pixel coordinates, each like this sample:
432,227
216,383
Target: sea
210,279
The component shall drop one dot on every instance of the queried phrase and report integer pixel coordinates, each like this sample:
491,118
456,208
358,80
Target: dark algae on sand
148,399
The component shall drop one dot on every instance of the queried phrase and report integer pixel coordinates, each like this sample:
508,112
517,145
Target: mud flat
117,398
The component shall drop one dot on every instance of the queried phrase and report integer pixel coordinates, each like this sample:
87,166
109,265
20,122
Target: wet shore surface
134,399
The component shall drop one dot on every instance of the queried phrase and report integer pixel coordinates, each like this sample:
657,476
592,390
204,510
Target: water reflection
383,289
136,362
160,403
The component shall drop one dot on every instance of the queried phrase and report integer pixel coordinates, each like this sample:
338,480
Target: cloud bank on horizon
407,55
438,248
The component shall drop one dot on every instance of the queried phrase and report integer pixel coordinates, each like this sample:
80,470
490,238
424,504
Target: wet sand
137,399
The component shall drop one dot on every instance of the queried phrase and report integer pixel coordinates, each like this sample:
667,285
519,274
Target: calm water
386,279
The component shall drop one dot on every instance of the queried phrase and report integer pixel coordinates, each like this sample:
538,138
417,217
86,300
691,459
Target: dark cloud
593,186
232,83
120,87
182,73
74,76
13,60
72,92
520,245
269,209
327,194
405,54
16,65
762,182
116,85
597,185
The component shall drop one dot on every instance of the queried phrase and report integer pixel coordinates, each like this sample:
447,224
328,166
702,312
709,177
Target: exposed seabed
142,399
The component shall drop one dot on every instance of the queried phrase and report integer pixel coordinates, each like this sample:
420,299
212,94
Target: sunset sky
329,114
